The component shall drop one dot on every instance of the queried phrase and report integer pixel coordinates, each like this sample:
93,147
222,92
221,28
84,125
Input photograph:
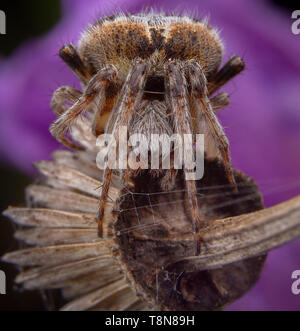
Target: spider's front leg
131,94
219,101
95,88
230,69
203,106
62,95
177,91
69,55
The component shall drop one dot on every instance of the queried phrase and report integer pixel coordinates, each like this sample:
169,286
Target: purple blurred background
262,122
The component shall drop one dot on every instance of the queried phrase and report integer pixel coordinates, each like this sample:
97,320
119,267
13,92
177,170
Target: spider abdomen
120,39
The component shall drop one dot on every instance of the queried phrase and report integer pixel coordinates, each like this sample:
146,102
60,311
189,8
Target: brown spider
139,69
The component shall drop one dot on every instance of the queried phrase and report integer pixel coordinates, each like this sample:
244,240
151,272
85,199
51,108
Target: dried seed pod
154,230
143,260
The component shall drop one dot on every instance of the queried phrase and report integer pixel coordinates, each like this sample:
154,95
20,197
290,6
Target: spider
148,72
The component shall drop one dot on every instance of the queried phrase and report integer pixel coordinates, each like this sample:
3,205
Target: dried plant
145,259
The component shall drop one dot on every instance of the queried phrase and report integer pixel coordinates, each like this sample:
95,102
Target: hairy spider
151,73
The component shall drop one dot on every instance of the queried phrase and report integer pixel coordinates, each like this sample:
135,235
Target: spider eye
155,87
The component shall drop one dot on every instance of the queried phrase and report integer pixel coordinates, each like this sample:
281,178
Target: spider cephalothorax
141,69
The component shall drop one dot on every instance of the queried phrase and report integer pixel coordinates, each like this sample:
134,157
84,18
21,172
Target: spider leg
104,109
131,94
200,94
177,89
219,101
70,56
62,95
95,88
231,68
